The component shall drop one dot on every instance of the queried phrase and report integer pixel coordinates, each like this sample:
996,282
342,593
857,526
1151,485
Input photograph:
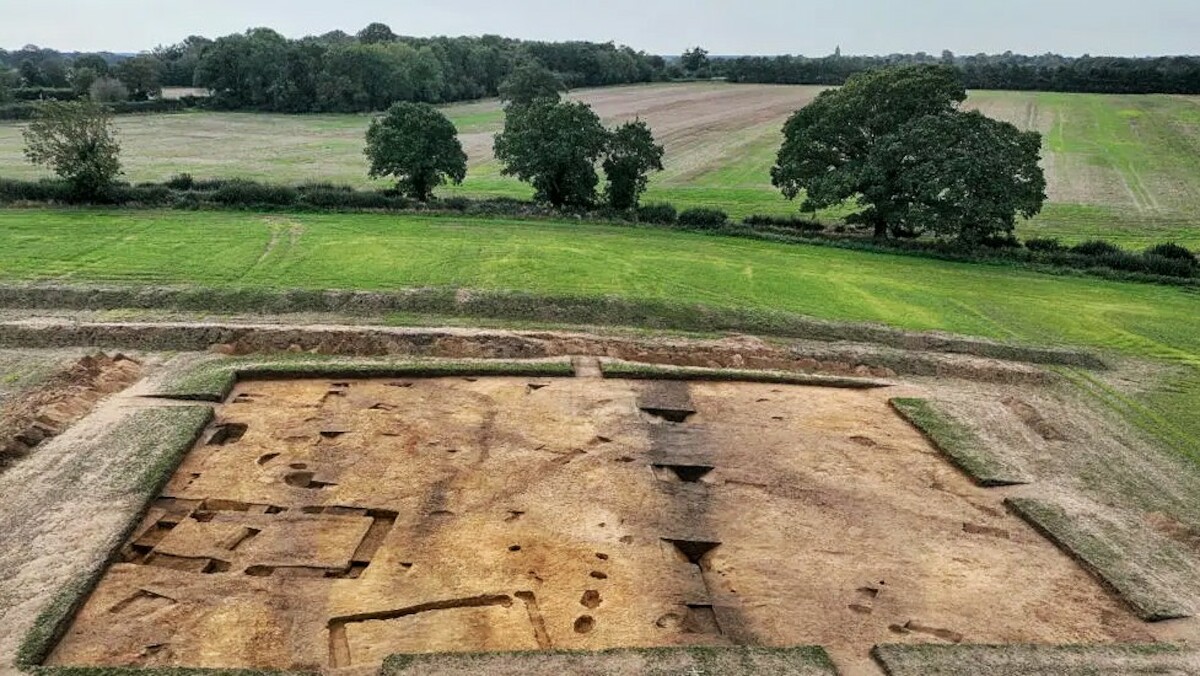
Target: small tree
957,175
108,90
554,146
418,145
376,33
82,79
695,60
142,74
77,141
632,155
529,82
8,82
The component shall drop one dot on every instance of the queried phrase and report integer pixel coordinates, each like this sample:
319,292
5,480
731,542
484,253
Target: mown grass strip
632,371
152,441
957,442
1032,660
1119,565
213,380
735,661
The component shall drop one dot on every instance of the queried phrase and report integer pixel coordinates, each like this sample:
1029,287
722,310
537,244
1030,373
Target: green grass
633,371
735,661
213,380
1031,660
958,443
378,252
1125,168
1154,577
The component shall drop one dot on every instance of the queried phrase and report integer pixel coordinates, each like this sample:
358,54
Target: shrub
703,218
1120,260
454,203
1167,266
788,222
47,190
249,193
1044,244
1173,251
1096,248
146,193
181,182
45,94
661,214
998,241
337,197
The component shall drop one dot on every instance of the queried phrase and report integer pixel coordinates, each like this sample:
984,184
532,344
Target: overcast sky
1118,27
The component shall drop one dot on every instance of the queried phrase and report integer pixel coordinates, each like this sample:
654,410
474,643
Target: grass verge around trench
154,441
213,380
1032,660
634,371
736,661
1114,557
958,443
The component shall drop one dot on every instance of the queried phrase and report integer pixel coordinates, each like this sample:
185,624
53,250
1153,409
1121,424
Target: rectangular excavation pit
446,519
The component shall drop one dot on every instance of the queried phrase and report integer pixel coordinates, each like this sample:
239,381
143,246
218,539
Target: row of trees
1048,72
551,144
102,77
335,72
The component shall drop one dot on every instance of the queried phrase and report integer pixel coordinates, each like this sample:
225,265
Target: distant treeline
1048,72
336,72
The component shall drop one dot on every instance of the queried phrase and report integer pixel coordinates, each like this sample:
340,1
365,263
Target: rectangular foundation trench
329,524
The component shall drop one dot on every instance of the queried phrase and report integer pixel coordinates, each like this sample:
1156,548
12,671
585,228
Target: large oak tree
418,146
553,146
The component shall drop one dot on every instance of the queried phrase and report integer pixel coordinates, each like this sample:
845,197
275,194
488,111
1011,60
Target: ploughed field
1124,168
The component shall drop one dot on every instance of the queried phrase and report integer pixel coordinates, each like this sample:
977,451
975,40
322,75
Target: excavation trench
329,524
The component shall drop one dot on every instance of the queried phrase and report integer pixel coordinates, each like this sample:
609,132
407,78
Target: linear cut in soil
330,524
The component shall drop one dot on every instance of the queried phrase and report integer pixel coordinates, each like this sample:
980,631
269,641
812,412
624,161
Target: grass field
1126,168
390,252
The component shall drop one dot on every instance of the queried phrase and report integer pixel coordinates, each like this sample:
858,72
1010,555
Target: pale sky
1114,27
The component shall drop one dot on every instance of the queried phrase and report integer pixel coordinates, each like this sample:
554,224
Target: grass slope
1032,660
377,252
1125,168
740,661
957,442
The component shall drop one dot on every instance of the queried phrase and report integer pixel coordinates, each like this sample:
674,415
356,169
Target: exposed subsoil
837,358
327,524
66,397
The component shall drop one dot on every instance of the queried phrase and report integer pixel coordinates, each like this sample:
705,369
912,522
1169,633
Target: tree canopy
694,60
76,140
554,146
861,141
959,175
418,146
631,155
529,82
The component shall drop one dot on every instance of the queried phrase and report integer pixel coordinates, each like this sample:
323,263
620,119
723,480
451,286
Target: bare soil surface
61,508
327,524
62,399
